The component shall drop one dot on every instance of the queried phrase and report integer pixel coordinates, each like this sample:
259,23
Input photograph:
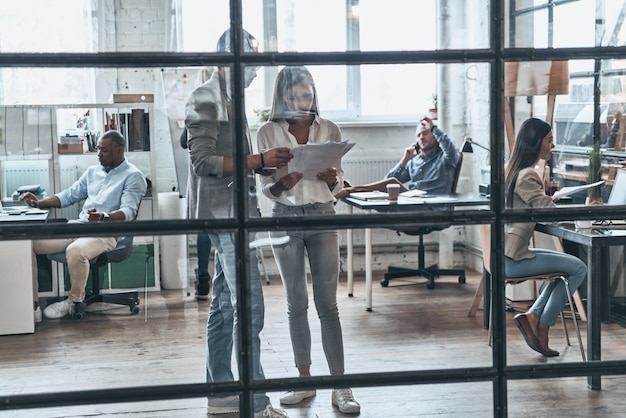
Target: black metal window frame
499,373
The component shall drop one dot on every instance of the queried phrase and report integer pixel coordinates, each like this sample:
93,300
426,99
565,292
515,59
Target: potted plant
594,174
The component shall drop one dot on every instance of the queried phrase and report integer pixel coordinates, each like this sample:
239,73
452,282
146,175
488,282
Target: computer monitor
618,192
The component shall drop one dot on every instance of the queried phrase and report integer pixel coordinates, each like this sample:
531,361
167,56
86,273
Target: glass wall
478,69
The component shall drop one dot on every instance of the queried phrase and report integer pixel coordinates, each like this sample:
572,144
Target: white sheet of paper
311,159
566,191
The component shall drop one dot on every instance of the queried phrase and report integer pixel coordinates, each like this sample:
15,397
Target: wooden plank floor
410,328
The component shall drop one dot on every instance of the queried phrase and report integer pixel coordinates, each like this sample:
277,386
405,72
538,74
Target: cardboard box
70,148
133,98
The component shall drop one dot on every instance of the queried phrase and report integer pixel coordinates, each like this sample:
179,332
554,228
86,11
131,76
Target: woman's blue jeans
322,250
553,297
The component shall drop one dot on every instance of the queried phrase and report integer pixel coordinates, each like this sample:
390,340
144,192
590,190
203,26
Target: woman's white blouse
307,191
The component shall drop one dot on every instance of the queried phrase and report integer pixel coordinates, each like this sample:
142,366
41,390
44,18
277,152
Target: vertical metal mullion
244,333
500,405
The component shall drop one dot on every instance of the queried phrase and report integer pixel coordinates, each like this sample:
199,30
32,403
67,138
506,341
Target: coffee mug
393,190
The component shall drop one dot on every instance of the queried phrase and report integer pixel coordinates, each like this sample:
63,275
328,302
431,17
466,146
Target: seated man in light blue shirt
437,158
112,192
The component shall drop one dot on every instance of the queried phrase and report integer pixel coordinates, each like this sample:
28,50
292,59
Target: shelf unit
31,153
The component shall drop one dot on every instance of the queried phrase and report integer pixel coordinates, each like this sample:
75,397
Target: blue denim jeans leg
222,323
553,297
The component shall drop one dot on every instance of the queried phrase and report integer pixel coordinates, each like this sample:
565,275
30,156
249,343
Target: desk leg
368,269
594,310
486,298
350,257
350,261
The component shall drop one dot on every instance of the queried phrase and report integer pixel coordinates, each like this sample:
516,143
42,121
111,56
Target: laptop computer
618,192
616,197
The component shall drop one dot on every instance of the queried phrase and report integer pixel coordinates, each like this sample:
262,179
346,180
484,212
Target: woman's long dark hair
525,153
287,78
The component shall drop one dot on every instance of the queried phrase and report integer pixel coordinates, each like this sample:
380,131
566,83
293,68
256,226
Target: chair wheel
461,279
384,282
79,311
134,310
430,285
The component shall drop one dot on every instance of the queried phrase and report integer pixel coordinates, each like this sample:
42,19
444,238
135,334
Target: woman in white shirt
295,121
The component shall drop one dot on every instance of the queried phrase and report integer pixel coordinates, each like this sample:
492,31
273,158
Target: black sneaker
202,290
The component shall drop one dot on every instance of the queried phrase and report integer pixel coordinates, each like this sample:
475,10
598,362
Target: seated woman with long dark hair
524,188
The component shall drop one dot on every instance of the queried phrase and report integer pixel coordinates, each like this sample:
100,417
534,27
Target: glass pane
544,24
299,25
45,26
398,89
34,86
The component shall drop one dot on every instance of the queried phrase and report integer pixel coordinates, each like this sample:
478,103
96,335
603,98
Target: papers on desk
375,195
311,159
413,193
435,199
566,191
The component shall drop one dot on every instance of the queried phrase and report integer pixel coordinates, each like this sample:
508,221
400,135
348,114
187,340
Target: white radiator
14,178
367,170
22,173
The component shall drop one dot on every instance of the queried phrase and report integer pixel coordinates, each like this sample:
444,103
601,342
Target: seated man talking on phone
429,164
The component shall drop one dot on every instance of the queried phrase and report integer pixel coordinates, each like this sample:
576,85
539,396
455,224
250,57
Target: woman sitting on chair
525,188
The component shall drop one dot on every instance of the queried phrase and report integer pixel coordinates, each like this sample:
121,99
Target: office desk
402,205
16,279
597,241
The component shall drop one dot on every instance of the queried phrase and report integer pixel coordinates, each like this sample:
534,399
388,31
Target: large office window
59,26
347,93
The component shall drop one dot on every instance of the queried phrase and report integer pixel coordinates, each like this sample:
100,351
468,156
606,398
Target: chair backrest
457,173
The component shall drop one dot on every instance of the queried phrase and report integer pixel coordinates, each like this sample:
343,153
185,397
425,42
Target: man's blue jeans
223,323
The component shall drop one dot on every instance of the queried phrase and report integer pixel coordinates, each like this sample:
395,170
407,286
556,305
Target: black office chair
121,252
428,272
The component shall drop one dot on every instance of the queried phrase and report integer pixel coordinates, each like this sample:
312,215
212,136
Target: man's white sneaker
271,412
59,309
344,400
296,396
224,405
38,317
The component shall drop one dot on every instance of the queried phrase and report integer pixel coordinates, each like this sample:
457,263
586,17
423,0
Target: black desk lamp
467,145
484,189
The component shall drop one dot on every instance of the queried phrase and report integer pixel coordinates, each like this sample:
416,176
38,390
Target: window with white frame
53,26
346,93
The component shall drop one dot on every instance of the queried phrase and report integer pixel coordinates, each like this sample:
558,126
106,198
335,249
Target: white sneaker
38,317
296,396
224,405
271,412
344,400
59,309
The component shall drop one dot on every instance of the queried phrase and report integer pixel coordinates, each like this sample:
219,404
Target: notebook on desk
375,195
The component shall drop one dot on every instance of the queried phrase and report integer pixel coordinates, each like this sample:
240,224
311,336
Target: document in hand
311,159
566,191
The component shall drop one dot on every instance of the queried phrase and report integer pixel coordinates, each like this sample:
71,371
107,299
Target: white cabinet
53,145
16,288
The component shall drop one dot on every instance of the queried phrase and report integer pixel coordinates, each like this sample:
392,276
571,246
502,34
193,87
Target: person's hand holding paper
313,159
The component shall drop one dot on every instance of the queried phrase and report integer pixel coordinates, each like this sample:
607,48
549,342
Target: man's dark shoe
203,285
